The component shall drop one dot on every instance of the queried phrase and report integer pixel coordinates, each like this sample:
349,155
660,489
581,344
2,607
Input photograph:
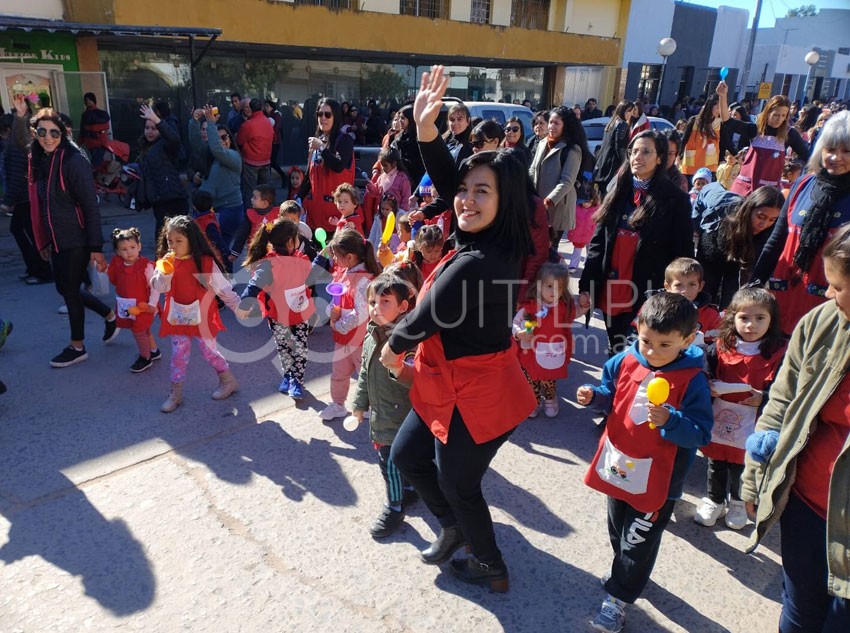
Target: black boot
475,572
448,542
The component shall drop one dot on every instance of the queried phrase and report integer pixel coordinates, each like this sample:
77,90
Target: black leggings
69,270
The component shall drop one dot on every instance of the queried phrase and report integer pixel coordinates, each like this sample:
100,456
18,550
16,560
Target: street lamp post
812,58
666,47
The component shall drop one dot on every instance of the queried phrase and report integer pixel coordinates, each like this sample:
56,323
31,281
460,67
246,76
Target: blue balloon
724,72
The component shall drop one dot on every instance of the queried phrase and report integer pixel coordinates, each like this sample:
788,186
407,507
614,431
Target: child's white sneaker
550,408
536,411
333,411
709,511
736,517
611,617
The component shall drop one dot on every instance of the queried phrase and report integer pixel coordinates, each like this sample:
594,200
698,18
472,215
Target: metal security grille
530,14
330,4
436,9
480,12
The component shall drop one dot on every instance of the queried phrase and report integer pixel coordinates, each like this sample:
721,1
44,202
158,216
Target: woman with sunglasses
65,218
644,223
515,139
331,165
555,167
161,188
223,168
462,328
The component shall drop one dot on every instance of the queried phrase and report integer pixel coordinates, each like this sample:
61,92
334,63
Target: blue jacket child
647,448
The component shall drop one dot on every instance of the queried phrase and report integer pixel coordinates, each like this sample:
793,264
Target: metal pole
192,71
748,62
661,80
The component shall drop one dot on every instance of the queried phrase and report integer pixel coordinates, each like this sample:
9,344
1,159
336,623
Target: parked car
595,130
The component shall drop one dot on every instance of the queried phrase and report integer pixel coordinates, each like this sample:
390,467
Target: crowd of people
725,299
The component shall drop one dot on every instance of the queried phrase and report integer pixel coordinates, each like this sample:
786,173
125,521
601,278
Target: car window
660,125
496,115
594,132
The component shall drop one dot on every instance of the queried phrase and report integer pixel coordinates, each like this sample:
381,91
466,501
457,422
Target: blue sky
772,9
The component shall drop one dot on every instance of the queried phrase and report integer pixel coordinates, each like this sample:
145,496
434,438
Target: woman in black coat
612,152
65,219
643,225
407,146
161,187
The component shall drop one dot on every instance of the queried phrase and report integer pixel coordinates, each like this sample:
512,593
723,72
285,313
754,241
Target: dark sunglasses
54,133
479,144
512,129
324,113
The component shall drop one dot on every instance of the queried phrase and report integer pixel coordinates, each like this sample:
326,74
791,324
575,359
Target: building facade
780,52
508,50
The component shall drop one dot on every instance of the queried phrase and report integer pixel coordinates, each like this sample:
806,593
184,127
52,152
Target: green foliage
804,11
383,83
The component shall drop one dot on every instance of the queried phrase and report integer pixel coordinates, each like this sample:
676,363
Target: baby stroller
115,175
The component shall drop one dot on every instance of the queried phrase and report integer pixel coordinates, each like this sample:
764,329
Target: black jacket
612,154
70,217
160,176
722,277
665,235
15,166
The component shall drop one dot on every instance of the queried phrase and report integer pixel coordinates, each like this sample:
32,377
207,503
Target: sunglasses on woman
54,133
512,129
324,113
479,144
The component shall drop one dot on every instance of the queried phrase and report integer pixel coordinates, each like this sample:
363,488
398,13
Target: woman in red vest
465,354
768,137
331,164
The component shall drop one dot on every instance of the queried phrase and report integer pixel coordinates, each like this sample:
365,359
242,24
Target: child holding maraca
135,301
543,325
353,268
190,274
647,448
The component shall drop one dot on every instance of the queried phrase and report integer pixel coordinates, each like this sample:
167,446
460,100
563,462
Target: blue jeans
229,219
807,607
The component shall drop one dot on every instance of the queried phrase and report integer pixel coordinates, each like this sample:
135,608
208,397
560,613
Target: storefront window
149,77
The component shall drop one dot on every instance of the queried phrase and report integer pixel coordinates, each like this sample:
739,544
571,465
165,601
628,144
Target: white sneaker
333,411
536,411
708,512
63,309
736,517
550,408
611,617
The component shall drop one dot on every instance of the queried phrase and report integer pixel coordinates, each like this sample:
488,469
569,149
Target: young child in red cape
135,301
543,326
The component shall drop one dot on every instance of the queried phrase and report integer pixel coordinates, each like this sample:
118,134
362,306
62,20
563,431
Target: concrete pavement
252,515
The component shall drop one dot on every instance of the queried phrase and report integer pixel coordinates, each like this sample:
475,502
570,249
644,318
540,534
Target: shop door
34,81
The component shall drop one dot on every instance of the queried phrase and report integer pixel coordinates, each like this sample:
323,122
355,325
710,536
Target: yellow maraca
165,265
657,392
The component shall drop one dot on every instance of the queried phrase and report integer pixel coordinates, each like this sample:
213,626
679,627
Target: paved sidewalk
252,515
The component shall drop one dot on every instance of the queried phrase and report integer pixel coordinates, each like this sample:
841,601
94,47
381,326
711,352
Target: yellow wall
317,27
593,17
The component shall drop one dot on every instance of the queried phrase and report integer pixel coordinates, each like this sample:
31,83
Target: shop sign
41,55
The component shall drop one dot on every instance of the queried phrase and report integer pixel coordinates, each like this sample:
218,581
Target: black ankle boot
448,542
473,571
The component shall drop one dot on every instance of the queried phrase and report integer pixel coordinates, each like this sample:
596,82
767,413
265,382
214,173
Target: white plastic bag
99,281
